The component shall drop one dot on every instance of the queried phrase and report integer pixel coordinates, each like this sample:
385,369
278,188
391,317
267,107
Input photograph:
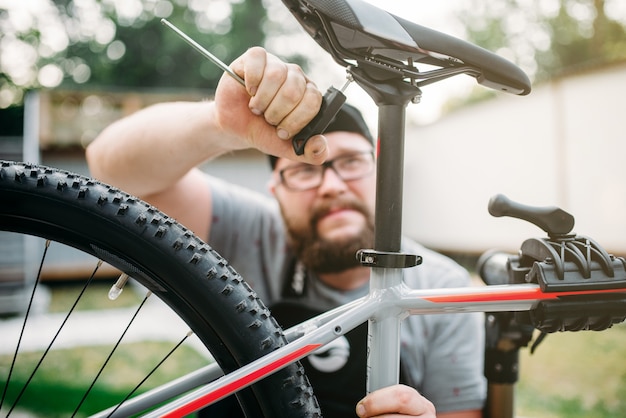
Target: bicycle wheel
175,265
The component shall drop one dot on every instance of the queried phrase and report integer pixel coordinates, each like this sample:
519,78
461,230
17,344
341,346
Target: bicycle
381,55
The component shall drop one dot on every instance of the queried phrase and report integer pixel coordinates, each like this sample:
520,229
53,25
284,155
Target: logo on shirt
331,357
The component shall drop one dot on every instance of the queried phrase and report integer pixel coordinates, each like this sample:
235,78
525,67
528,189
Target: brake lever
331,102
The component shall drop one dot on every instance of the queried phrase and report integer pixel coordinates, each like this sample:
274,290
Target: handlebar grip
331,103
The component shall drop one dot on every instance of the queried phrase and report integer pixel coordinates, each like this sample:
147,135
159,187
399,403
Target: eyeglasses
348,167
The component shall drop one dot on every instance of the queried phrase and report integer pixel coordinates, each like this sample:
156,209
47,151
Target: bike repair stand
559,263
504,337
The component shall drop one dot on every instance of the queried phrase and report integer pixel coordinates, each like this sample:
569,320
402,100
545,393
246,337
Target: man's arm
153,153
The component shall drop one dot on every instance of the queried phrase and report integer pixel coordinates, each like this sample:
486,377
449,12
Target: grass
575,374
59,383
571,375
63,295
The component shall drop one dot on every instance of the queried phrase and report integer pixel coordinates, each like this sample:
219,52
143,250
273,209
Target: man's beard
330,256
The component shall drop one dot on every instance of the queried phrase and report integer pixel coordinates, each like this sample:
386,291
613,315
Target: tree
548,38
120,43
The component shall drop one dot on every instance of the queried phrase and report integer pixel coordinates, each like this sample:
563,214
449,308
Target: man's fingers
282,101
397,399
316,150
252,68
306,109
280,92
287,97
277,87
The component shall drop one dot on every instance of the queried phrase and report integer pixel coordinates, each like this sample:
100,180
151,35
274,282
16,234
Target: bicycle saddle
386,46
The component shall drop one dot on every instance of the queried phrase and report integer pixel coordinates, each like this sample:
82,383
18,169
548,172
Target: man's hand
395,401
277,102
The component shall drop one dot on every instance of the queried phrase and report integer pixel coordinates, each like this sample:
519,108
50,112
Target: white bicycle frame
386,307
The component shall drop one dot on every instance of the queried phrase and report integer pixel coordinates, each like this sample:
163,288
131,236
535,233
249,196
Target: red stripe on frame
513,295
240,383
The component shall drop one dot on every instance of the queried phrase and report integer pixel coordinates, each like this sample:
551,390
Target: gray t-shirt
442,354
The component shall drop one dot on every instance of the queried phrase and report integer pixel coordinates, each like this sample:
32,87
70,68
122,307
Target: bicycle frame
394,303
389,301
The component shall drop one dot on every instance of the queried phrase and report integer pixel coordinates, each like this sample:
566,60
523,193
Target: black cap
347,119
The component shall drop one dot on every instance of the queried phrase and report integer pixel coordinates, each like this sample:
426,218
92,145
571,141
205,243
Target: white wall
562,145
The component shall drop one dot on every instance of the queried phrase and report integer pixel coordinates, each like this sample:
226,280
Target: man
307,255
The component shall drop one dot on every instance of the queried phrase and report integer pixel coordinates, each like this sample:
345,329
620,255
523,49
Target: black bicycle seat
357,33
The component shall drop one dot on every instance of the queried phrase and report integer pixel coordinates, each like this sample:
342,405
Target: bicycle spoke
47,350
150,373
19,341
117,344
118,287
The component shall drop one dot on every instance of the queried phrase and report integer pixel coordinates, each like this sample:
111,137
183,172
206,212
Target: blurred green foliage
105,43
550,38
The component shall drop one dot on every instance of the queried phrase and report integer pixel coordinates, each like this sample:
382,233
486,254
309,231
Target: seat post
391,97
389,180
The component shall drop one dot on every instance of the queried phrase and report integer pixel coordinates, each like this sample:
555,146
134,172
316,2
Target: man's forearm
151,149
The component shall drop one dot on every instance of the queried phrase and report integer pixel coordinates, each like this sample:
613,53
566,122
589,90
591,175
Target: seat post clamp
373,258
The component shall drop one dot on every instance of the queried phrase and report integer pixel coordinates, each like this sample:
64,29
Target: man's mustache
325,207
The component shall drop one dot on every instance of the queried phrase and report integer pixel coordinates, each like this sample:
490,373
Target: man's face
327,224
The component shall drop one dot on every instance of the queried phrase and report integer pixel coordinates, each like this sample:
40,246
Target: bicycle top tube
356,31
